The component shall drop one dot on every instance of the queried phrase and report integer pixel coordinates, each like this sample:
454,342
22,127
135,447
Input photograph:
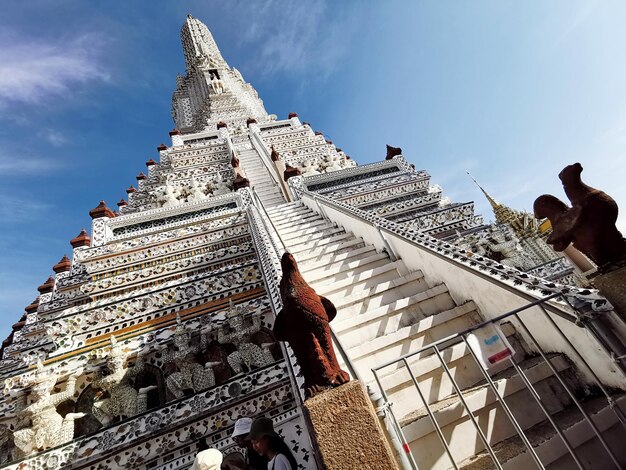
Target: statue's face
181,341
115,363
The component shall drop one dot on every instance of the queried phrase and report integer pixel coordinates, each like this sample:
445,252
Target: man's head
240,432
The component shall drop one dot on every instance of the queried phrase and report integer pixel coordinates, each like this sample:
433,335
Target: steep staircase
264,184
385,311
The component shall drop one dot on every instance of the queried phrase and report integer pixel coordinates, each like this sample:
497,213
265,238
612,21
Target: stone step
408,338
384,348
333,263
289,211
426,367
426,312
274,200
296,234
384,293
333,257
512,453
320,275
319,236
266,187
299,227
305,218
394,312
296,220
359,279
328,243
460,434
341,246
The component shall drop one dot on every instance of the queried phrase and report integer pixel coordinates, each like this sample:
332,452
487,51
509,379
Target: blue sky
511,91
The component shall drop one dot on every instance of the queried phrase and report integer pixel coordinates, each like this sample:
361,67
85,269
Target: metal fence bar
505,407
431,415
570,393
396,425
467,408
537,398
596,379
468,330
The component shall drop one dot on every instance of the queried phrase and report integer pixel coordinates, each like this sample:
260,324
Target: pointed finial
495,204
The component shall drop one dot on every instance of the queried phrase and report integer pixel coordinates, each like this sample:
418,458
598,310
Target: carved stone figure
189,375
238,334
589,224
48,428
123,400
308,169
168,197
195,192
392,152
304,324
216,85
333,163
221,187
509,248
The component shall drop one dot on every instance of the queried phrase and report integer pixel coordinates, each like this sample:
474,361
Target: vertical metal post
406,449
468,409
556,373
430,414
537,399
505,407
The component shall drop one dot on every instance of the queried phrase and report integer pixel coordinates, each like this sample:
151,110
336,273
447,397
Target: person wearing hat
240,436
268,443
210,459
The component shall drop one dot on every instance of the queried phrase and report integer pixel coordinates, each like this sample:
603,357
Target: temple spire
199,47
522,222
494,204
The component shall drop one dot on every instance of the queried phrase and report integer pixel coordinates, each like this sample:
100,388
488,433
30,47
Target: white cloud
33,70
14,209
16,163
53,137
294,36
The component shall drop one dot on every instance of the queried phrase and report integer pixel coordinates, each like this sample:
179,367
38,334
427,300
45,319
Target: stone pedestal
612,285
347,431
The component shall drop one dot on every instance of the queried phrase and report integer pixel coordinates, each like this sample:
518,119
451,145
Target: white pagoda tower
157,331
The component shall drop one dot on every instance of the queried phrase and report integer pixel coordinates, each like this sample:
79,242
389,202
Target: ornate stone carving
168,196
48,428
124,400
304,324
237,333
221,186
507,246
589,224
189,374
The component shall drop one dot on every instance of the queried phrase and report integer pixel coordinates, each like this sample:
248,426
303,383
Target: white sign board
490,345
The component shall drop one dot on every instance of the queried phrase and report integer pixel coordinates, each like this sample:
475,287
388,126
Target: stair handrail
264,153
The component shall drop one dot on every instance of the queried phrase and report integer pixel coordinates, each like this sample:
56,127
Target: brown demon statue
589,224
304,324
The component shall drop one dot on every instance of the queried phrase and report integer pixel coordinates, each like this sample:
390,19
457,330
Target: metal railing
437,347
